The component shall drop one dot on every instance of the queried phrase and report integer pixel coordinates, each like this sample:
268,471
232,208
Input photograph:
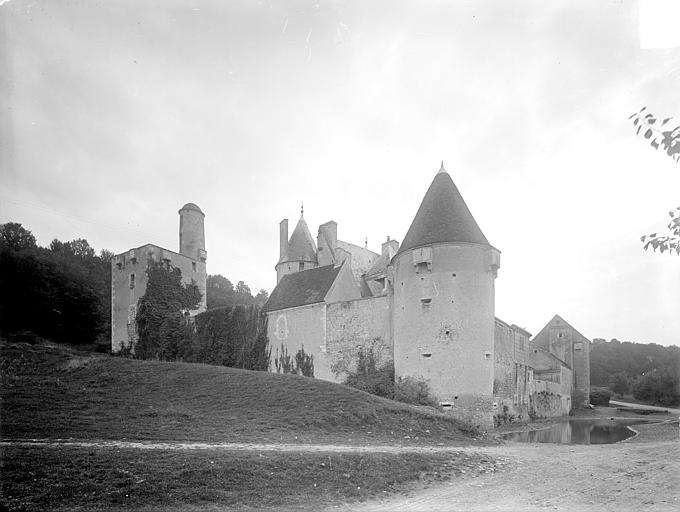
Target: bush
600,396
413,391
370,378
660,387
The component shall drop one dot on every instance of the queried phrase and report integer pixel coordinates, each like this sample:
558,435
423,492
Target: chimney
390,247
283,238
327,241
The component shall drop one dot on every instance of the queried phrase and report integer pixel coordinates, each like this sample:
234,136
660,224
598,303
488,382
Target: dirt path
642,473
259,447
644,407
631,476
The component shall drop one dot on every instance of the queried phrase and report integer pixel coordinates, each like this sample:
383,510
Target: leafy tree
243,294
261,297
219,292
63,295
162,327
661,387
668,139
619,384
15,237
669,242
233,336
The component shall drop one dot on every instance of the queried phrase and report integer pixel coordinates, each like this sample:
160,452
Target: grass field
52,477
56,393
53,392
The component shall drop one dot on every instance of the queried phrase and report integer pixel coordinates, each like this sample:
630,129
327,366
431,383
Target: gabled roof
302,288
443,216
554,321
379,267
301,246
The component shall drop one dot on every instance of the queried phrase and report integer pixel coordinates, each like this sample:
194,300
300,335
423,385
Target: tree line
646,371
63,292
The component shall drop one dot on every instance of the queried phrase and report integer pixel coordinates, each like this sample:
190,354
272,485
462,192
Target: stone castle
426,306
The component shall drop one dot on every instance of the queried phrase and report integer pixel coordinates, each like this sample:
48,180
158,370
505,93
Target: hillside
52,391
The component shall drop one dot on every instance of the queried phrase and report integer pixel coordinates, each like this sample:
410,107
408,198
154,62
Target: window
132,281
193,266
301,266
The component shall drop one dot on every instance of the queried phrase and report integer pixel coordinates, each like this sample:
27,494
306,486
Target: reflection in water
577,432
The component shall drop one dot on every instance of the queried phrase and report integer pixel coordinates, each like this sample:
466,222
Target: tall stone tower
443,309
191,232
298,253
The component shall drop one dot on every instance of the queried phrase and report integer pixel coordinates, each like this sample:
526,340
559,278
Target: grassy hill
55,392
50,391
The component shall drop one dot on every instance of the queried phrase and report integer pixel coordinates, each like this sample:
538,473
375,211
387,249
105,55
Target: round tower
443,309
191,232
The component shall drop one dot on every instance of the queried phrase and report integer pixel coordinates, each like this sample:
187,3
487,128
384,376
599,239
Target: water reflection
577,432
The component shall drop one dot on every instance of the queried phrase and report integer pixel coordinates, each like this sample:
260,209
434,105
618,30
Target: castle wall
357,325
301,327
444,325
511,373
124,297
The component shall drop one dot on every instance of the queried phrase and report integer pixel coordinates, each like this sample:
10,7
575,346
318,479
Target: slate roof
443,216
302,288
301,246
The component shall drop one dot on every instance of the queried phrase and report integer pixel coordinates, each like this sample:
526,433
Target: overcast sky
116,113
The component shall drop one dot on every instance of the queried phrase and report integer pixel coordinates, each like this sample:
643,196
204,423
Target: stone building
427,307
129,277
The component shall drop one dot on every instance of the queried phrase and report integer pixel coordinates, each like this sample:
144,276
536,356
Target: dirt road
638,474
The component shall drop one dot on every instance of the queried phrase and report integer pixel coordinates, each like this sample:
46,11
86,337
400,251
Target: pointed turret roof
443,216
301,246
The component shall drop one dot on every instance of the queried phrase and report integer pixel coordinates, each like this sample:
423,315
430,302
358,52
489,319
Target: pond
600,431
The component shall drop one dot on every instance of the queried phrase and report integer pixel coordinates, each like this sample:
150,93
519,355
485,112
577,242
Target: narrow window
193,266
301,266
132,281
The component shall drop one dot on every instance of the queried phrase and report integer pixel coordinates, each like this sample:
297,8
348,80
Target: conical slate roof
301,246
443,216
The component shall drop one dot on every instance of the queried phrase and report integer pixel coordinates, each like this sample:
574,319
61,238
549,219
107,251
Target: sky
116,113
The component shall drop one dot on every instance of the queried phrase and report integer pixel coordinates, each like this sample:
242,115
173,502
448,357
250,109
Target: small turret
192,232
298,253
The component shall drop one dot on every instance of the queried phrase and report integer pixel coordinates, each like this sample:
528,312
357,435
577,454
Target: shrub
304,363
412,390
370,378
301,364
600,396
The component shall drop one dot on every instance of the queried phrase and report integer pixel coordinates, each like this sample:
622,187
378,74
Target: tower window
193,266
132,281
301,266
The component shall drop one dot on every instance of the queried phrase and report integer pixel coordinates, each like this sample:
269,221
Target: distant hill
646,371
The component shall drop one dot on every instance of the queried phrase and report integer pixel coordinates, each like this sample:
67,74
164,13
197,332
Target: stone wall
511,373
296,328
354,325
126,290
